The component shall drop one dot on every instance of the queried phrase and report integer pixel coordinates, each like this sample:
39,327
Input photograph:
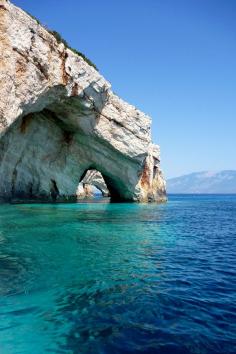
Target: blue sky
173,59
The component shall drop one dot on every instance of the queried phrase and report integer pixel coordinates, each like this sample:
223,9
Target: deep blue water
119,278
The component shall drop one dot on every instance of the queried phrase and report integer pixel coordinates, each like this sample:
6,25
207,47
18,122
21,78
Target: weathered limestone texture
92,178
59,118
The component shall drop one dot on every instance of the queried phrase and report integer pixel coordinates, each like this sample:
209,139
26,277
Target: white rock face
59,118
92,178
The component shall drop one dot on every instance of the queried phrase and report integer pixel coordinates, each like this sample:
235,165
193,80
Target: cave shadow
107,192
65,112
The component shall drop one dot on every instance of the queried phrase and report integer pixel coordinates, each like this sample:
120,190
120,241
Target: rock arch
59,117
92,178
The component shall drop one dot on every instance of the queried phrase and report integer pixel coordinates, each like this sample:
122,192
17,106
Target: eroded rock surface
92,179
59,118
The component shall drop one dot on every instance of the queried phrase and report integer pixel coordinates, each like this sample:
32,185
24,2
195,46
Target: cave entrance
47,156
92,184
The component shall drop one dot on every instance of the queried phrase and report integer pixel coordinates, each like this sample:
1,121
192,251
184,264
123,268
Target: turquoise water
119,278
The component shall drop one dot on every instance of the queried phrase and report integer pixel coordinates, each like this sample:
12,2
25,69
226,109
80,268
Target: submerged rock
60,118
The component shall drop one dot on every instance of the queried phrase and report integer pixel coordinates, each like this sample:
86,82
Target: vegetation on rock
60,39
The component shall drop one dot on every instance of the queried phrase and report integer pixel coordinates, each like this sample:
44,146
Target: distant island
221,182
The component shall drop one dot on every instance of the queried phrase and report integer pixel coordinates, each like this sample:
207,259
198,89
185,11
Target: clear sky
173,59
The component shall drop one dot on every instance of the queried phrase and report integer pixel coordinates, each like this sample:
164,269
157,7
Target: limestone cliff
59,118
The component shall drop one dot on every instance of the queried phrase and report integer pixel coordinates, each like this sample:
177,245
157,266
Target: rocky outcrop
92,179
59,118
84,191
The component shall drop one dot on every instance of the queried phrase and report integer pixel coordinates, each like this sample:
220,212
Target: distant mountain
222,182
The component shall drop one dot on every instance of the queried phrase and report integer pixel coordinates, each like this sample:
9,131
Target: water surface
119,278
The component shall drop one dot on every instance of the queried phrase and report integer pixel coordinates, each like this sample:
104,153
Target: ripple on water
119,278
16,274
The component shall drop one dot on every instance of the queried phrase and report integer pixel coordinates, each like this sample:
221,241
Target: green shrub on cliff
33,17
60,39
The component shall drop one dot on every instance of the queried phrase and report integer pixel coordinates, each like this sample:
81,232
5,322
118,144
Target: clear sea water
119,278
